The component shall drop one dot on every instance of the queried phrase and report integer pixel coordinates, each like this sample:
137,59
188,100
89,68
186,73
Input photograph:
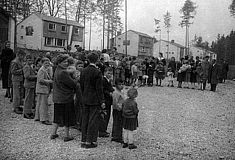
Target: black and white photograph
117,79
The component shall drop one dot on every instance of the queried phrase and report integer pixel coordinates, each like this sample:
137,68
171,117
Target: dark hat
61,58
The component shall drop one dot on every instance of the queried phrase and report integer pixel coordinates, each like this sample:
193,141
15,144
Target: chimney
172,41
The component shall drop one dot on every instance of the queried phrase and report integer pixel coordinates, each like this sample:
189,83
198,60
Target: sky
212,17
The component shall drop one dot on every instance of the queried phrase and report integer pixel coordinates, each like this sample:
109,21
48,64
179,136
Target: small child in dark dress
118,99
130,118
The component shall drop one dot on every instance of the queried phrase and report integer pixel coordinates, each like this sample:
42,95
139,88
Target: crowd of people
87,86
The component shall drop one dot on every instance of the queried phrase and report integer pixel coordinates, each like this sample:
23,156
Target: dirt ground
173,124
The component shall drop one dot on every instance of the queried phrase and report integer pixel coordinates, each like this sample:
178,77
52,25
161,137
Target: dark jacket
107,88
213,75
129,109
91,86
30,77
172,65
63,86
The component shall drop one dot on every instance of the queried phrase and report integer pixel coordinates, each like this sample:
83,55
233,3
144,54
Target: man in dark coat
213,77
93,101
108,90
6,57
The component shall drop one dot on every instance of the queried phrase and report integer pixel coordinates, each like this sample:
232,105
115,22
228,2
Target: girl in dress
170,75
130,118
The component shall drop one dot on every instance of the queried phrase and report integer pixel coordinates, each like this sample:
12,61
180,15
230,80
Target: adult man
93,101
6,57
205,70
213,77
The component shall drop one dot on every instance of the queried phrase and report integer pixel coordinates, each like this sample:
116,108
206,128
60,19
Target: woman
63,97
42,90
29,85
6,57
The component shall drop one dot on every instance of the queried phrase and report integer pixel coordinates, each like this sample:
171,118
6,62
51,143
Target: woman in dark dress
6,57
63,97
193,76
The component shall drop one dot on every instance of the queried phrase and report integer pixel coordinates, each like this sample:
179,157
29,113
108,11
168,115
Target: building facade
139,44
40,32
201,52
7,29
175,50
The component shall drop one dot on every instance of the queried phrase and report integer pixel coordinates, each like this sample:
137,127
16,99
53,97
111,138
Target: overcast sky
212,17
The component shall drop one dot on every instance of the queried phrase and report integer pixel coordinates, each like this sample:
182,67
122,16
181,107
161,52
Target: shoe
172,85
36,120
46,123
117,140
18,111
132,146
104,134
179,87
54,136
125,145
66,139
83,145
91,145
28,116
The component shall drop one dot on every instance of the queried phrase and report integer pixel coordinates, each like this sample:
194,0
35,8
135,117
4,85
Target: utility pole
66,21
167,18
126,27
90,34
158,29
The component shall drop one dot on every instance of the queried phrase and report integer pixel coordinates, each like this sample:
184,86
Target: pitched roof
173,43
57,20
142,34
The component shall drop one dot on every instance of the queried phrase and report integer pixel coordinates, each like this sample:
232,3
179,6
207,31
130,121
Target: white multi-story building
175,50
201,52
41,32
139,44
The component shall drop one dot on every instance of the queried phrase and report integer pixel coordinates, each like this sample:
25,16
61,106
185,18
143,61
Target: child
170,75
159,73
134,73
71,69
150,75
199,72
130,122
105,113
78,95
42,90
118,99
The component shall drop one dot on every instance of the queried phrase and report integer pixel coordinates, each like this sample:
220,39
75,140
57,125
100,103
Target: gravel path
173,124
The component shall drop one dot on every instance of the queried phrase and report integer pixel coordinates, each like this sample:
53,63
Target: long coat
6,57
92,86
213,75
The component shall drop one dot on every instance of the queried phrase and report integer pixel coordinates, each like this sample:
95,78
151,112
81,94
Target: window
22,27
76,30
172,52
60,42
29,30
51,26
119,38
119,45
49,41
63,28
21,37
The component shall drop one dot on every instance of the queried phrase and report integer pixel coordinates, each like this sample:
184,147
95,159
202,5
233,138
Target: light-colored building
7,29
175,50
139,44
41,32
201,52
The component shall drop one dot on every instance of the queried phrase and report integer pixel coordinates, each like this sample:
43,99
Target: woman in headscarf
63,96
